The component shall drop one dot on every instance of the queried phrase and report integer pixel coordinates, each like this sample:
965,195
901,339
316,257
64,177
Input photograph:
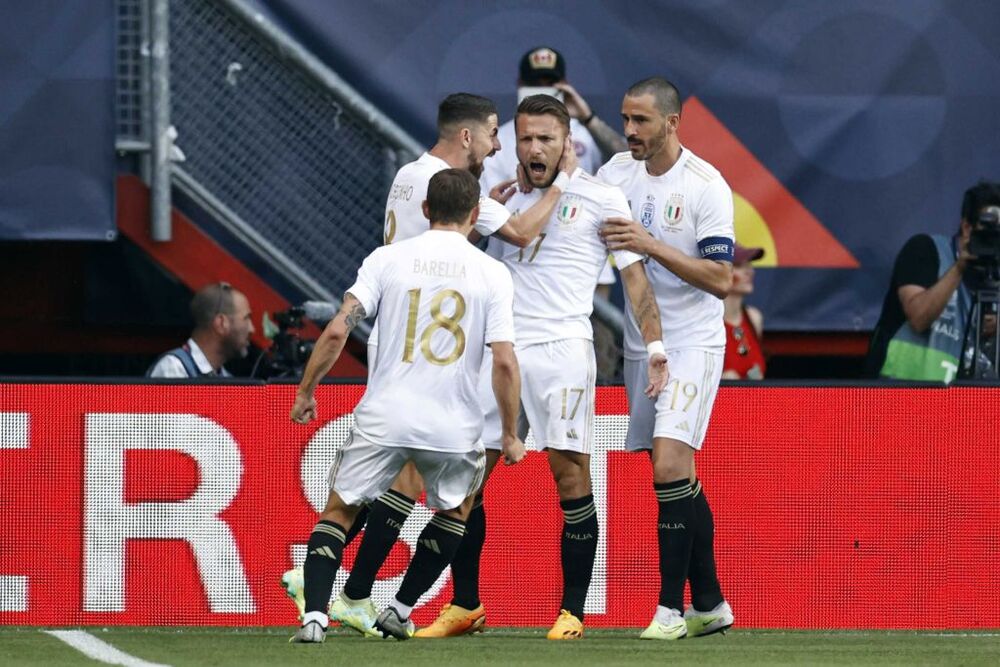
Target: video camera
984,241
289,352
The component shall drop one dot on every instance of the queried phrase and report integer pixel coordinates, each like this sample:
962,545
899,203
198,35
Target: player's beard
650,148
547,183
475,168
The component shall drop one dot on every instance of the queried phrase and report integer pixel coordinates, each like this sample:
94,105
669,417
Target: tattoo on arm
356,314
646,312
608,141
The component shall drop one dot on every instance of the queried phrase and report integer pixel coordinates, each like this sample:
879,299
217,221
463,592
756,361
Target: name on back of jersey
439,269
401,191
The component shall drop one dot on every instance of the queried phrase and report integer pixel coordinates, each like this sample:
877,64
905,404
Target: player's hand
304,409
512,449
625,234
504,190
658,375
575,104
568,162
964,256
523,184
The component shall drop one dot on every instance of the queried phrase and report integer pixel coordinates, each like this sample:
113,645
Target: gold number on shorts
566,398
449,323
688,389
534,253
390,227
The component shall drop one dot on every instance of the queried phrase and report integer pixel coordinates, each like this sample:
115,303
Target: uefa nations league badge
647,212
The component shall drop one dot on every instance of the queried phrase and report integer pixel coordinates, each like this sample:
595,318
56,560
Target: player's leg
465,613
578,543
708,612
557,390
360,471
452,480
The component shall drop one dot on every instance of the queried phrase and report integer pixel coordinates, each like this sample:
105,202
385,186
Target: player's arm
523,228
507,389
647,316
607,139
324,355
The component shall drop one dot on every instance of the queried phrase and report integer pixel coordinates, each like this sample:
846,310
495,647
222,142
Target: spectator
922,329
744,324
222,329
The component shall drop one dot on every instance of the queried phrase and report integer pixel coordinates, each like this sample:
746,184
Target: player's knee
572,482
665,471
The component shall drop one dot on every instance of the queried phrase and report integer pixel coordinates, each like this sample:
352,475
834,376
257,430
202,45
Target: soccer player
440,302
467,135
554,281
685,213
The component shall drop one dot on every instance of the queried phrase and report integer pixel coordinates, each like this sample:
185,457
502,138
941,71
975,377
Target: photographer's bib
933,355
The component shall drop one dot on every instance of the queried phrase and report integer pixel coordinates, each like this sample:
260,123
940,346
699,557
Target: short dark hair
451,196
463,108
981,194
668,98
540,105
210,301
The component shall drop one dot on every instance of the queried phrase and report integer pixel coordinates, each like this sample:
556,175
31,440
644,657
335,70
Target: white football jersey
404,213
556,274
439,301
503,166
690,208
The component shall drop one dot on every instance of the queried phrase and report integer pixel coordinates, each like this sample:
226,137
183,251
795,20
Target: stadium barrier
835,507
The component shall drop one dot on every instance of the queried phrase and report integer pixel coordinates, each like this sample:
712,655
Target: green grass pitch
268,646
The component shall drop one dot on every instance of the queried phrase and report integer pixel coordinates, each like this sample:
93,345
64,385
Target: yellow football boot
454,621
567,626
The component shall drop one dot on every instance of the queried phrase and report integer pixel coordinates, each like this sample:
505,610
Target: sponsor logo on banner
673,213
569,209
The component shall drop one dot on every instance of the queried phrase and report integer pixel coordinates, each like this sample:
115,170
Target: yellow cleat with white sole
702,623
670,628
293,581
357,615
567,626
454,621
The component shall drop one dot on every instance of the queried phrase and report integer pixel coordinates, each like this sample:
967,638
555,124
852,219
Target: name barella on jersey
556,274
404,213
439,300
690,208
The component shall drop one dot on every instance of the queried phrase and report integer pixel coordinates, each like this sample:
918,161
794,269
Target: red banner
834,508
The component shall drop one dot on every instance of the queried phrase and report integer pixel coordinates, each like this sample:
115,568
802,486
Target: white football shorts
682,410
363,470
557,395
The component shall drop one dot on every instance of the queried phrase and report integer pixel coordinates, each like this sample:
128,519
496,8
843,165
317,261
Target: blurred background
150,147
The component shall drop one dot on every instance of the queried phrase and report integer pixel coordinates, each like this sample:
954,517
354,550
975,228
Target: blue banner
57,123
843,127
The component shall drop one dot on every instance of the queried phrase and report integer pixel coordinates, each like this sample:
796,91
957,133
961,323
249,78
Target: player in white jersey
685,213
554,281
467,131
440,302
543,69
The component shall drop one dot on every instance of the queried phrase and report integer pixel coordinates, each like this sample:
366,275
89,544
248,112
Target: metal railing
273,144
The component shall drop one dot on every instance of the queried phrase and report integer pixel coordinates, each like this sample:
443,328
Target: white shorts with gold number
682,410
557,395
363,470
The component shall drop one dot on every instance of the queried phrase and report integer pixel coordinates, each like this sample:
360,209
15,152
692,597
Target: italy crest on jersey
569,208
673,213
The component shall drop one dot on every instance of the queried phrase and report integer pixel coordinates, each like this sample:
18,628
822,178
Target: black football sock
465,565
385,520
675,532
357,526
436,547
706,594
323,555
578,549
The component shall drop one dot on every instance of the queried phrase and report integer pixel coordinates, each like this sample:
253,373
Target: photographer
921,333
222,330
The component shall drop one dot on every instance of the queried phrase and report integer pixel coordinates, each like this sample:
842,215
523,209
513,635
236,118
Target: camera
984,242
289,352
